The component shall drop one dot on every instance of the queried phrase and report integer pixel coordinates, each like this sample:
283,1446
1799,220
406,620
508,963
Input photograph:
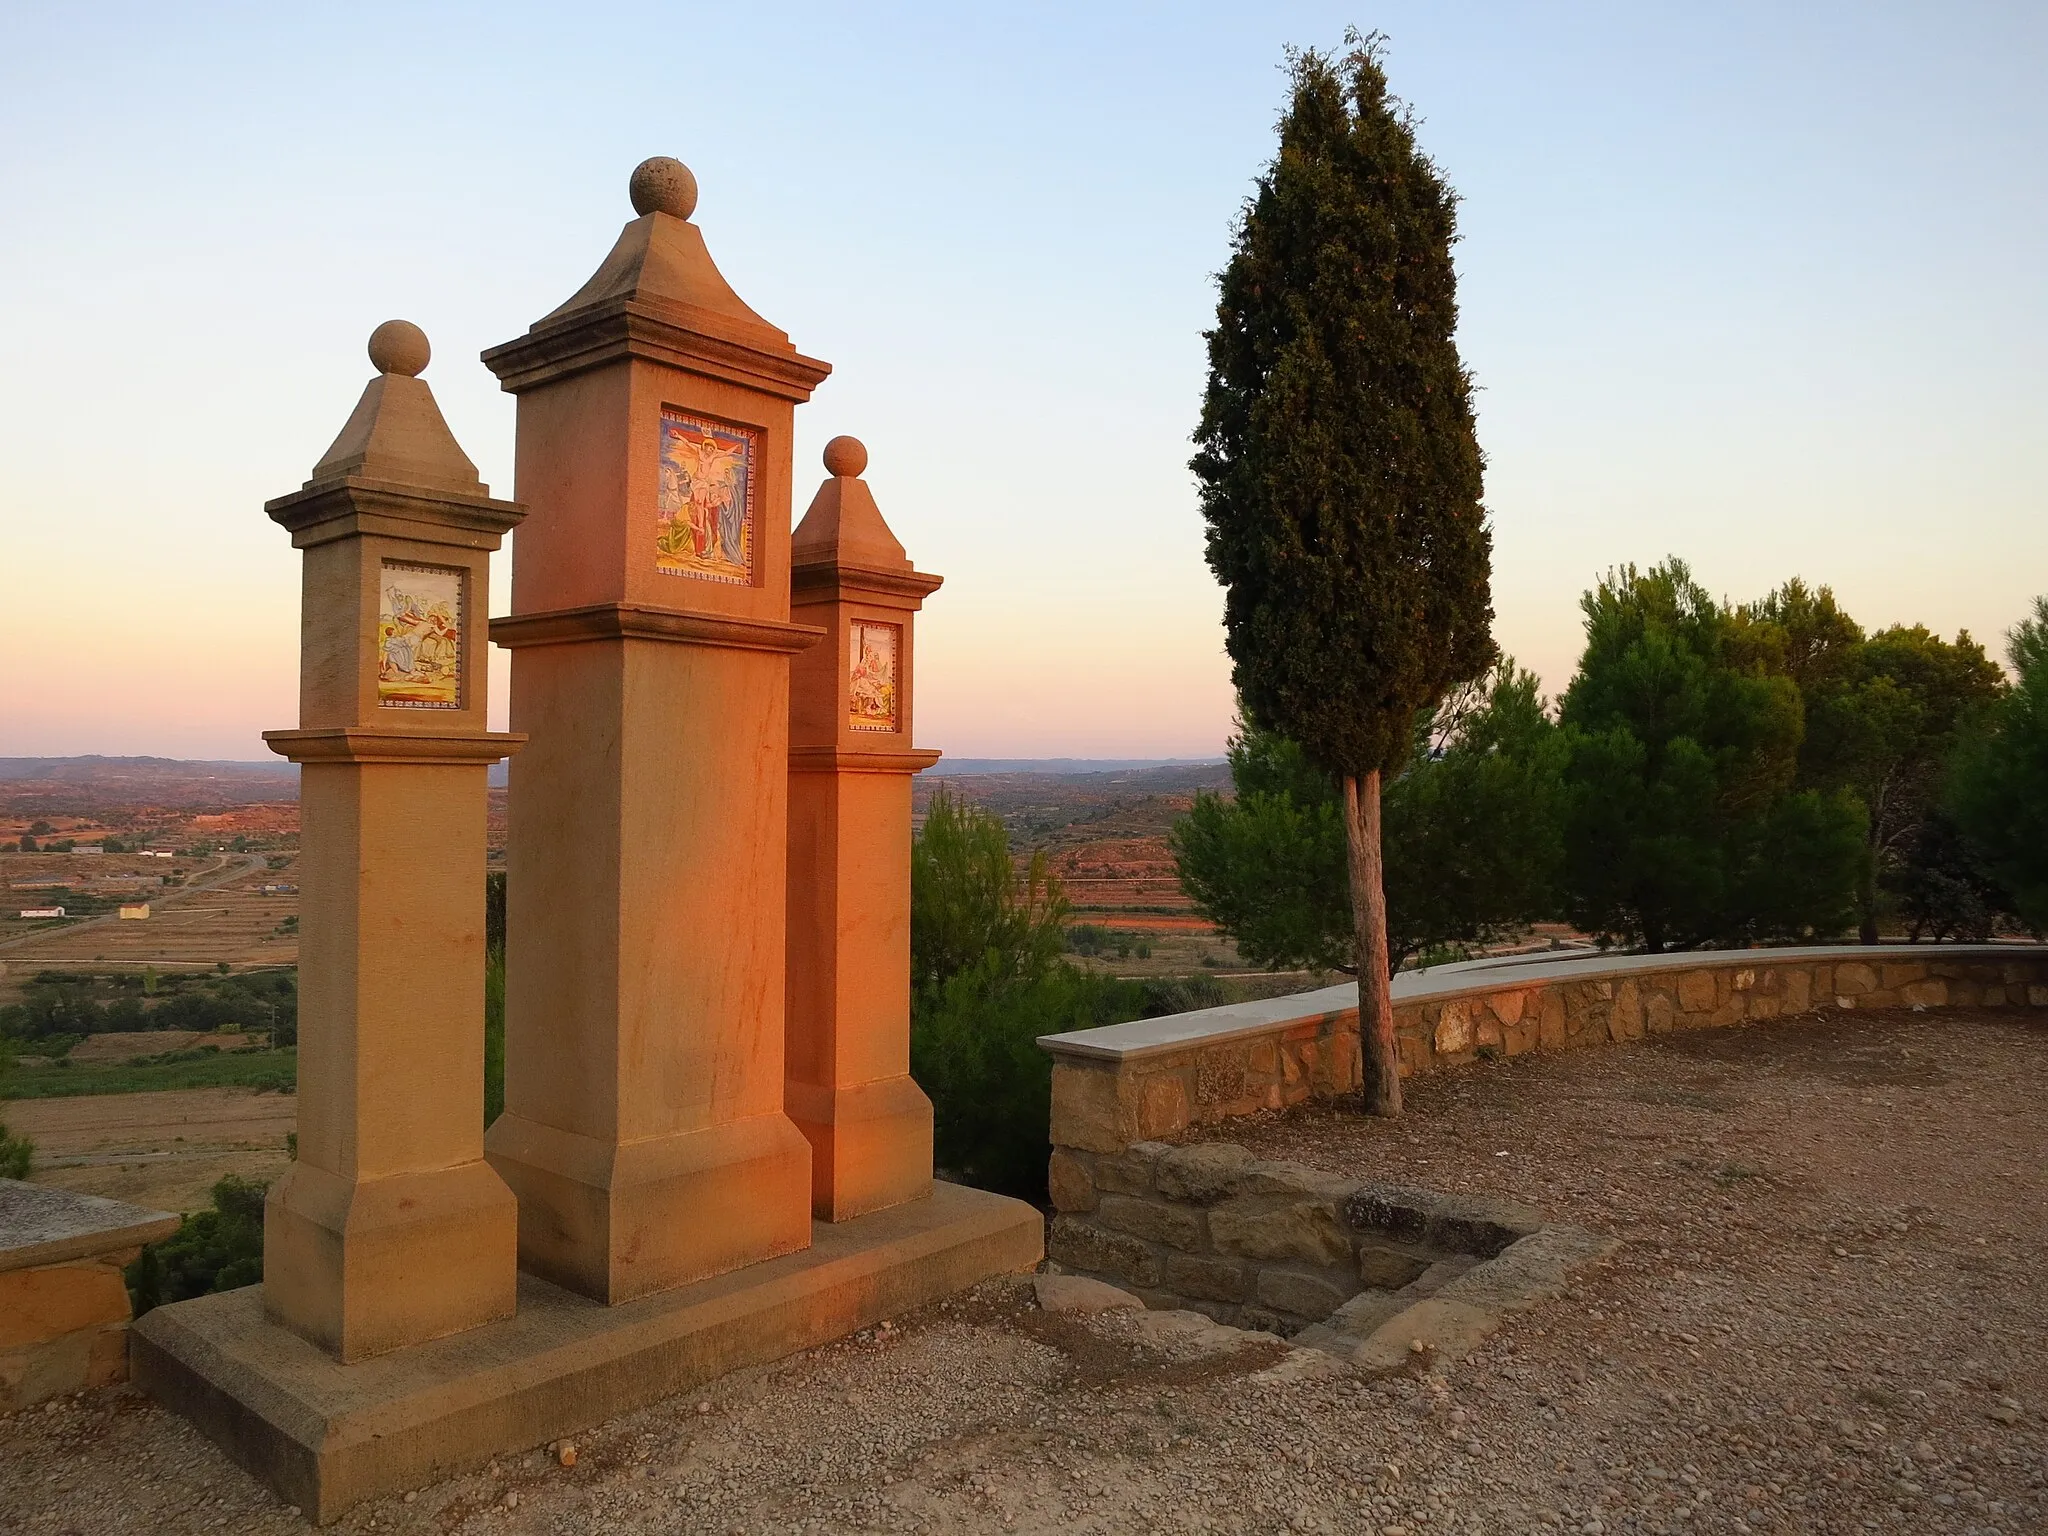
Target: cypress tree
1339,470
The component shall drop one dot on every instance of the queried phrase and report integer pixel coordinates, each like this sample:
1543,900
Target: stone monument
850,765
657,919
389,1228
643,1129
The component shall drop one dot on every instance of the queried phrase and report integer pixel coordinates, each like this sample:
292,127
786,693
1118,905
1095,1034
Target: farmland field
159,1150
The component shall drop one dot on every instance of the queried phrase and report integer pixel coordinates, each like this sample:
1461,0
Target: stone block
1081,1245
1532,1270
1626,1021
1207,1278
1443,1330
1293,1179
1488,1036
1177,1226
1798,989
1264,1320
1508,1006
1994,996
2037,997
1660,1010
1205,1172
1263,1058
1388,1269
1162,1107
51,1300
1924,994
1079,1296
1396,1210
1068,1182
1896,975
1696,992
1550,1020
1306,1295
1129,1174
1454,1033
1479,1225
1088,1110
1520,1039
1220,1073
1743,980
1366,1311
1276,1227
1854,979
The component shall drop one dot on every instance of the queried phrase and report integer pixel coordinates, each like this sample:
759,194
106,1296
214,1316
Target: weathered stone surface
1854,979
1086,1110
1798,989
1388,1269
1454,1027
1359,1317
1220,1073
1507,1006
1446,1330
1398,1210
2038,996
1211,1279
1162,1107
1204,1172
1659,1010
1550,1030
1081,1245
1303,1294
1534,1269
1924,994
1696,992
1068,1182
1177,1226
1440,1273
1129,1174
1479,1225
1626,1021
1262,1178
1079,1295
1277,1227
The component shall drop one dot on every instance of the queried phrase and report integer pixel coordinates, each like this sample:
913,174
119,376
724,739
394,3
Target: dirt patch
160,1150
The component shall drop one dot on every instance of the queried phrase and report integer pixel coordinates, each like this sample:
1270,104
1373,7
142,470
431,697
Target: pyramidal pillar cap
844,539
397,433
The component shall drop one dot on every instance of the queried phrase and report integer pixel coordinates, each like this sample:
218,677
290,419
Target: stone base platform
328,1436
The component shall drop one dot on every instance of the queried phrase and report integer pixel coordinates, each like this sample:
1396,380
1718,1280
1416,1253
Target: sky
1757,285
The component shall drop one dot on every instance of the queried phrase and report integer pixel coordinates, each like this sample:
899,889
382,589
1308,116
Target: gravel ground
1825,1318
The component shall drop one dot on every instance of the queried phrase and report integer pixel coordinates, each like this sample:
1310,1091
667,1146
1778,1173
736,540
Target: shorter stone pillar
390,1229
847,1003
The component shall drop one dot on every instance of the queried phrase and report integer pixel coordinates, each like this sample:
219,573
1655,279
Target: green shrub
214,1250
974,1049
16,1153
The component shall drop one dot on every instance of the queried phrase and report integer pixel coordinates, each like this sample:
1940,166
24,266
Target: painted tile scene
873,696
419,637
705,526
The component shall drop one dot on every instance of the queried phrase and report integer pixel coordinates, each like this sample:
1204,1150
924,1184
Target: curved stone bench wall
1153,1079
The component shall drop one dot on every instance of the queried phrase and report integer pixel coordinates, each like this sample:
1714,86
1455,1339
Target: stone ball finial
664,185
845,456
399,346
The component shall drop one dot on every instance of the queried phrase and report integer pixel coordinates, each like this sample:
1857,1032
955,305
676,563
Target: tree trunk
1382,1060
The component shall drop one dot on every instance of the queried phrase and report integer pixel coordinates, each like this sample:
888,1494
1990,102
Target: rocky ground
1827,1317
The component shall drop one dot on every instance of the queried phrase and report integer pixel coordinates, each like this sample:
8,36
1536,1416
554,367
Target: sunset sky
1758,285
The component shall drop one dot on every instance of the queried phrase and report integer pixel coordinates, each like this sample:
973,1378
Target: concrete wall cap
41,1225
1473,978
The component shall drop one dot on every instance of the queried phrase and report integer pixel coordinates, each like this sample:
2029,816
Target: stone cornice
829,578
351,507
633,621
373,744
861,760
683,336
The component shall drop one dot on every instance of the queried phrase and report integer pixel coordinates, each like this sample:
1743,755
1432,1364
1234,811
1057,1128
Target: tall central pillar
643,1130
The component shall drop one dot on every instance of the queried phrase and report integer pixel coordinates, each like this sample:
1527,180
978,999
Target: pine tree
1339,468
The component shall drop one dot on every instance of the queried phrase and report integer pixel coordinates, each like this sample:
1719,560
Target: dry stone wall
1106,1099
1354,1267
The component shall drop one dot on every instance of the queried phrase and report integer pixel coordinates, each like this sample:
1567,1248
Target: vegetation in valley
220,1249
